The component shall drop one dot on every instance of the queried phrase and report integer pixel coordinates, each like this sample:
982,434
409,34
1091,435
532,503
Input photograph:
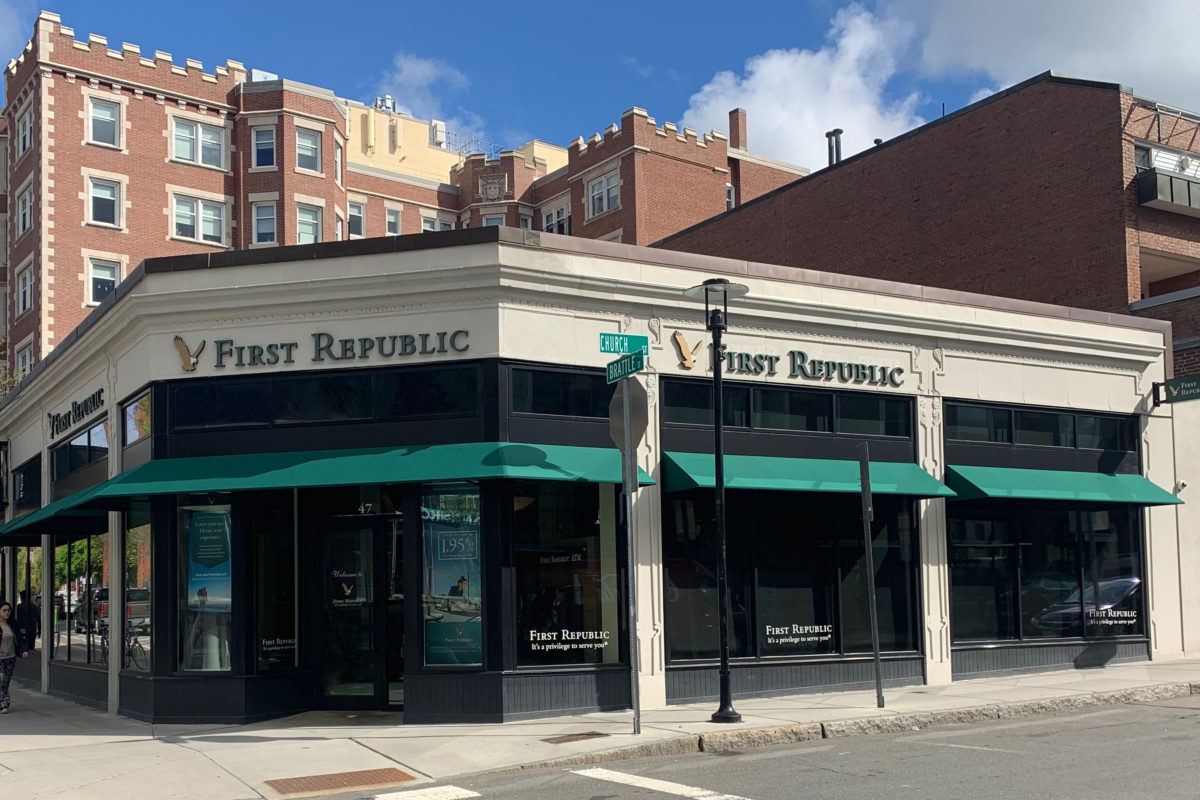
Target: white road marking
431,793
960,746
667,787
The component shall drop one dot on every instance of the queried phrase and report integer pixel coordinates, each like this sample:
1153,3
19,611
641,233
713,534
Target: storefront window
29,594
206,584
137,589
81,573
1045,572
571,394
274,533
453,571
27,486
895,579
690,403
137,419
568,584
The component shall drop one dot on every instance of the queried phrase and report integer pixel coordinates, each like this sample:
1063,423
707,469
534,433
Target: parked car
137,609
1117,608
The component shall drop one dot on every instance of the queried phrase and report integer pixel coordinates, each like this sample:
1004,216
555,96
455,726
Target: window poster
208,587
452,567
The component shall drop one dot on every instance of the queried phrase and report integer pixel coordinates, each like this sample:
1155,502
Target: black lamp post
716,293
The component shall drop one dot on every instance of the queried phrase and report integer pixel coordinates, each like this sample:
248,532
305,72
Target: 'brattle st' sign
78,412
796,364
322,348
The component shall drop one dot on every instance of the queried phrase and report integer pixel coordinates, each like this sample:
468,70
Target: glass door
393,538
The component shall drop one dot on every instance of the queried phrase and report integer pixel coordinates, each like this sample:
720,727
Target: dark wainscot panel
492,697
975,662
83,685
701,683
212,699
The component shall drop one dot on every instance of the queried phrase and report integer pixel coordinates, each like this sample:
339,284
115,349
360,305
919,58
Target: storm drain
340,782
574,737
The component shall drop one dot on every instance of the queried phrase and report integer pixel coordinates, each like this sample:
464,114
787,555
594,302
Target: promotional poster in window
451,600
209,588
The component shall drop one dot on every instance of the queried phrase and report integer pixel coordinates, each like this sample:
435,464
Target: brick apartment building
115,155
1058,190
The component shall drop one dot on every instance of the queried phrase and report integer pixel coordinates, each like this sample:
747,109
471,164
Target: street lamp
716,293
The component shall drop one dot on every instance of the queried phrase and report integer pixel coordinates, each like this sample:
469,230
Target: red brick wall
1020,196
754,180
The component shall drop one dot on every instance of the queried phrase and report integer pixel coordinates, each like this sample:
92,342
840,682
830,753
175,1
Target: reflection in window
79,632
1044,428
978,423
137,418
568,595
205,584
572,394
786,409
29,599
274,533
691,402
136,647
453,569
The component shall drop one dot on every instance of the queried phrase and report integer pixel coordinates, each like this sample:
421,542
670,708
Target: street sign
625,366
639,416
623,343
1179,389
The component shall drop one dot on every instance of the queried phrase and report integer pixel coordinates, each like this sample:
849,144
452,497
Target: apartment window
24,360
1141,158
264,223
24,211
432,224
308,224
557,221
264,147
103,278
105,119
201,220
493,222
24,291
730,197
393,222
604,194
25,132
337,228
337,163
104,198
526,222
354,212
197,143
308,150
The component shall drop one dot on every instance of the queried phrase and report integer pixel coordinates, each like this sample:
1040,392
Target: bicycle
136,655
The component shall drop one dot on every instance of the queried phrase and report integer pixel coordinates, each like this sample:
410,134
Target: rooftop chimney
829,146
837,145
737,128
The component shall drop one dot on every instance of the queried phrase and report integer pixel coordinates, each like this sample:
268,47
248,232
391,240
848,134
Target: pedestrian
12,644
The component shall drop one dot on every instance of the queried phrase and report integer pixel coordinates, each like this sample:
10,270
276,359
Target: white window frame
604,194
25,211
93,102
391,215
493,221
91,207
24,290
730,197
318,213
91,277
24,132
198,129
337,227
431,224
362,219
257,218
24,360
201,211
337,163
254,132
526,222
557,217
307,132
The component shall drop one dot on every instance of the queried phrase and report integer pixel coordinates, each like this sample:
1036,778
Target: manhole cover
574,737
340,782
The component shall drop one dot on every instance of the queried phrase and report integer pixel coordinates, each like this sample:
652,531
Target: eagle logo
187,358
347,589
687,353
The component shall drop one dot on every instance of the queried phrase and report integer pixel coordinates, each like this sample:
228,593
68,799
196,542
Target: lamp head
716,292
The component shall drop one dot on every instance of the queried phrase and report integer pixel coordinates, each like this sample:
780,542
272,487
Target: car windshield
137,595
1111,592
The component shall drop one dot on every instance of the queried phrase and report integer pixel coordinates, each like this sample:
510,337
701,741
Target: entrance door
361,626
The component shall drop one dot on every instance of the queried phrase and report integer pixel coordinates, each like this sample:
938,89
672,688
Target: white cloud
426,88
793,96
16,26
1143,46
637,67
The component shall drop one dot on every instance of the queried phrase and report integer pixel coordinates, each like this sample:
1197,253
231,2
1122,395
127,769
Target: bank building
379,474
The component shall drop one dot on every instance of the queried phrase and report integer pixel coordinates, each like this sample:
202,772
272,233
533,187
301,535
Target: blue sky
510,72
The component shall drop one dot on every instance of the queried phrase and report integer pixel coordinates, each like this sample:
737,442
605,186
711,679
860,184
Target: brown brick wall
754,180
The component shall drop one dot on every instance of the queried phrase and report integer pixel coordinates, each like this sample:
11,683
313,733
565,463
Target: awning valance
683,471
1048,484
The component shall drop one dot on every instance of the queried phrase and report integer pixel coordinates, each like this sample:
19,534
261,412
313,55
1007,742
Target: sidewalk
53,748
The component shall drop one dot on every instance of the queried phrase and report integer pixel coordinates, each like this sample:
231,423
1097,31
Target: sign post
868,516
627,421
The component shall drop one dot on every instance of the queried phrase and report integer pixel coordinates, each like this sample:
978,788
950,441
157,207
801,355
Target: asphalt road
1121,751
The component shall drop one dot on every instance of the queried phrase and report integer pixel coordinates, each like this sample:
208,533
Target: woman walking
12,644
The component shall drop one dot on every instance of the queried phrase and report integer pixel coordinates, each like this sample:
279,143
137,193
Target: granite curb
736,740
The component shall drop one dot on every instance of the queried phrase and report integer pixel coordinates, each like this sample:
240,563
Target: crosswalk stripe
667,787
430,793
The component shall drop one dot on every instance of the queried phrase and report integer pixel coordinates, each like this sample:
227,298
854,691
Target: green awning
473,461
1048,484
683,471
68,513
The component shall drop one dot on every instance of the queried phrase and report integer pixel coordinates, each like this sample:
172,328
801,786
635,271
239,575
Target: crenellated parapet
639,130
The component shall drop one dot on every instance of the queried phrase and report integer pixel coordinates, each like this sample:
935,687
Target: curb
736,740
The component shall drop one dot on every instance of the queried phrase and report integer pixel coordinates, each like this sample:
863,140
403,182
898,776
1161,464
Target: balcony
1168,191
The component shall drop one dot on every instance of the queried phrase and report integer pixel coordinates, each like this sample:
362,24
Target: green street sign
1179,389
623,343
625,366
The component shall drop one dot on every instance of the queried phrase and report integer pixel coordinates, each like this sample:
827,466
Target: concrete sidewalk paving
53,748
